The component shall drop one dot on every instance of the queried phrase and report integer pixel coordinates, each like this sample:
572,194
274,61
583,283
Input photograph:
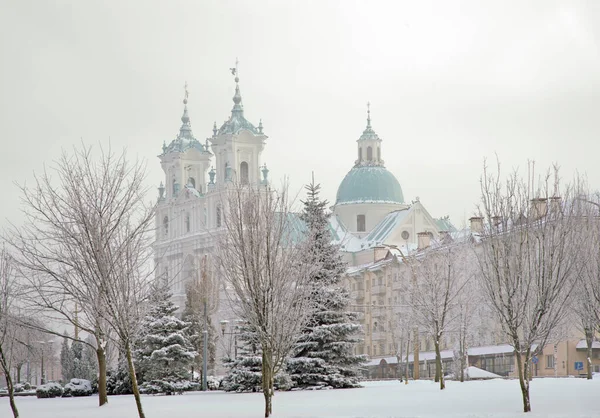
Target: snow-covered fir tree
164,353
324,354
66,360
245,370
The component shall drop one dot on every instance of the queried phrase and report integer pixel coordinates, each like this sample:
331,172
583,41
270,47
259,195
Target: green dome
369,184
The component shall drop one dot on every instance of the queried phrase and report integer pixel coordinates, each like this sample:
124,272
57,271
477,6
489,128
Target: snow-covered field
493,398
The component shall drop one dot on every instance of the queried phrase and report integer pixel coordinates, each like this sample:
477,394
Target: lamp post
43,371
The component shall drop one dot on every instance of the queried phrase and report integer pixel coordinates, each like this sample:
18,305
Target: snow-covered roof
583,345
491,349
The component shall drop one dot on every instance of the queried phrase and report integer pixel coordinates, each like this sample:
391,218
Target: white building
189,213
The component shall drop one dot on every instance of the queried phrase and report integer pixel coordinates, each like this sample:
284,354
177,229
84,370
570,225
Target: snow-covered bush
168,388
118,382
78,387
213,382
49,390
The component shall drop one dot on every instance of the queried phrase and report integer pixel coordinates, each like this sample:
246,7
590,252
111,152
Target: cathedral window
361,223
360,154
192,182
378,154
218,216
187,222
244,172
369,154
166,226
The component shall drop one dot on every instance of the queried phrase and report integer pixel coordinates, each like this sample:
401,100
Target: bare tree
525,263
78,216
441,277
258,258
8,292
586,301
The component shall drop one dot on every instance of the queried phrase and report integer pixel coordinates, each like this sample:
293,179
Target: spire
186,128
237,97
368,133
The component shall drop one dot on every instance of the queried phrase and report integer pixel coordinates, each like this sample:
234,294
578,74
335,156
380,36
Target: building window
361,223
369,154
166,226
244,172
550,361
192,182
218,216
378,154
187,222
360,154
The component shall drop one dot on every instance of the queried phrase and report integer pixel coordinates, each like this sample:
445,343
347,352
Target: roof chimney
539,207
476,224
424,240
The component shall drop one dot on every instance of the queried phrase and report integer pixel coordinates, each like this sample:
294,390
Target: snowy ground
493,398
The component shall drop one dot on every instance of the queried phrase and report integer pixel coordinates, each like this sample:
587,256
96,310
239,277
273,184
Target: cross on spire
368,114
186,94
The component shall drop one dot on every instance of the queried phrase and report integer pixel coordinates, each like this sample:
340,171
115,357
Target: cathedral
370,218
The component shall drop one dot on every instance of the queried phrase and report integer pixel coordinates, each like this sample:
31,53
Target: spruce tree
245,371
66,360
324,354
164,353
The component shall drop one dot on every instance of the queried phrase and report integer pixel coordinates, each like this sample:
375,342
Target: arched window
187,222
360,154
192,181
166,226
174,188
218,216
369,154
360,223
378,154
244,172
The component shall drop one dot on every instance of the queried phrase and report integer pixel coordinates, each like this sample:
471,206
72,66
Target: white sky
450,83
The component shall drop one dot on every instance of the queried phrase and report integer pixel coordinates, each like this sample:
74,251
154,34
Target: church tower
238,145
184,161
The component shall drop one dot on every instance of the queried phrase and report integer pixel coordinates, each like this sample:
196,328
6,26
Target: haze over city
449,84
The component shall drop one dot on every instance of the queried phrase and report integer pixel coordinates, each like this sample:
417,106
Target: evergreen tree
324,354
245,371
164,353
66,360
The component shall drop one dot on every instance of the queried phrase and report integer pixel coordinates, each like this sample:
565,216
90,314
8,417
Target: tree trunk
522,369
406,366
266,382
589,338
438,364
101,356
134,384
9,383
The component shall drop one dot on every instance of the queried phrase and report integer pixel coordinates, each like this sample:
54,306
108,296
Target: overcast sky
449,84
